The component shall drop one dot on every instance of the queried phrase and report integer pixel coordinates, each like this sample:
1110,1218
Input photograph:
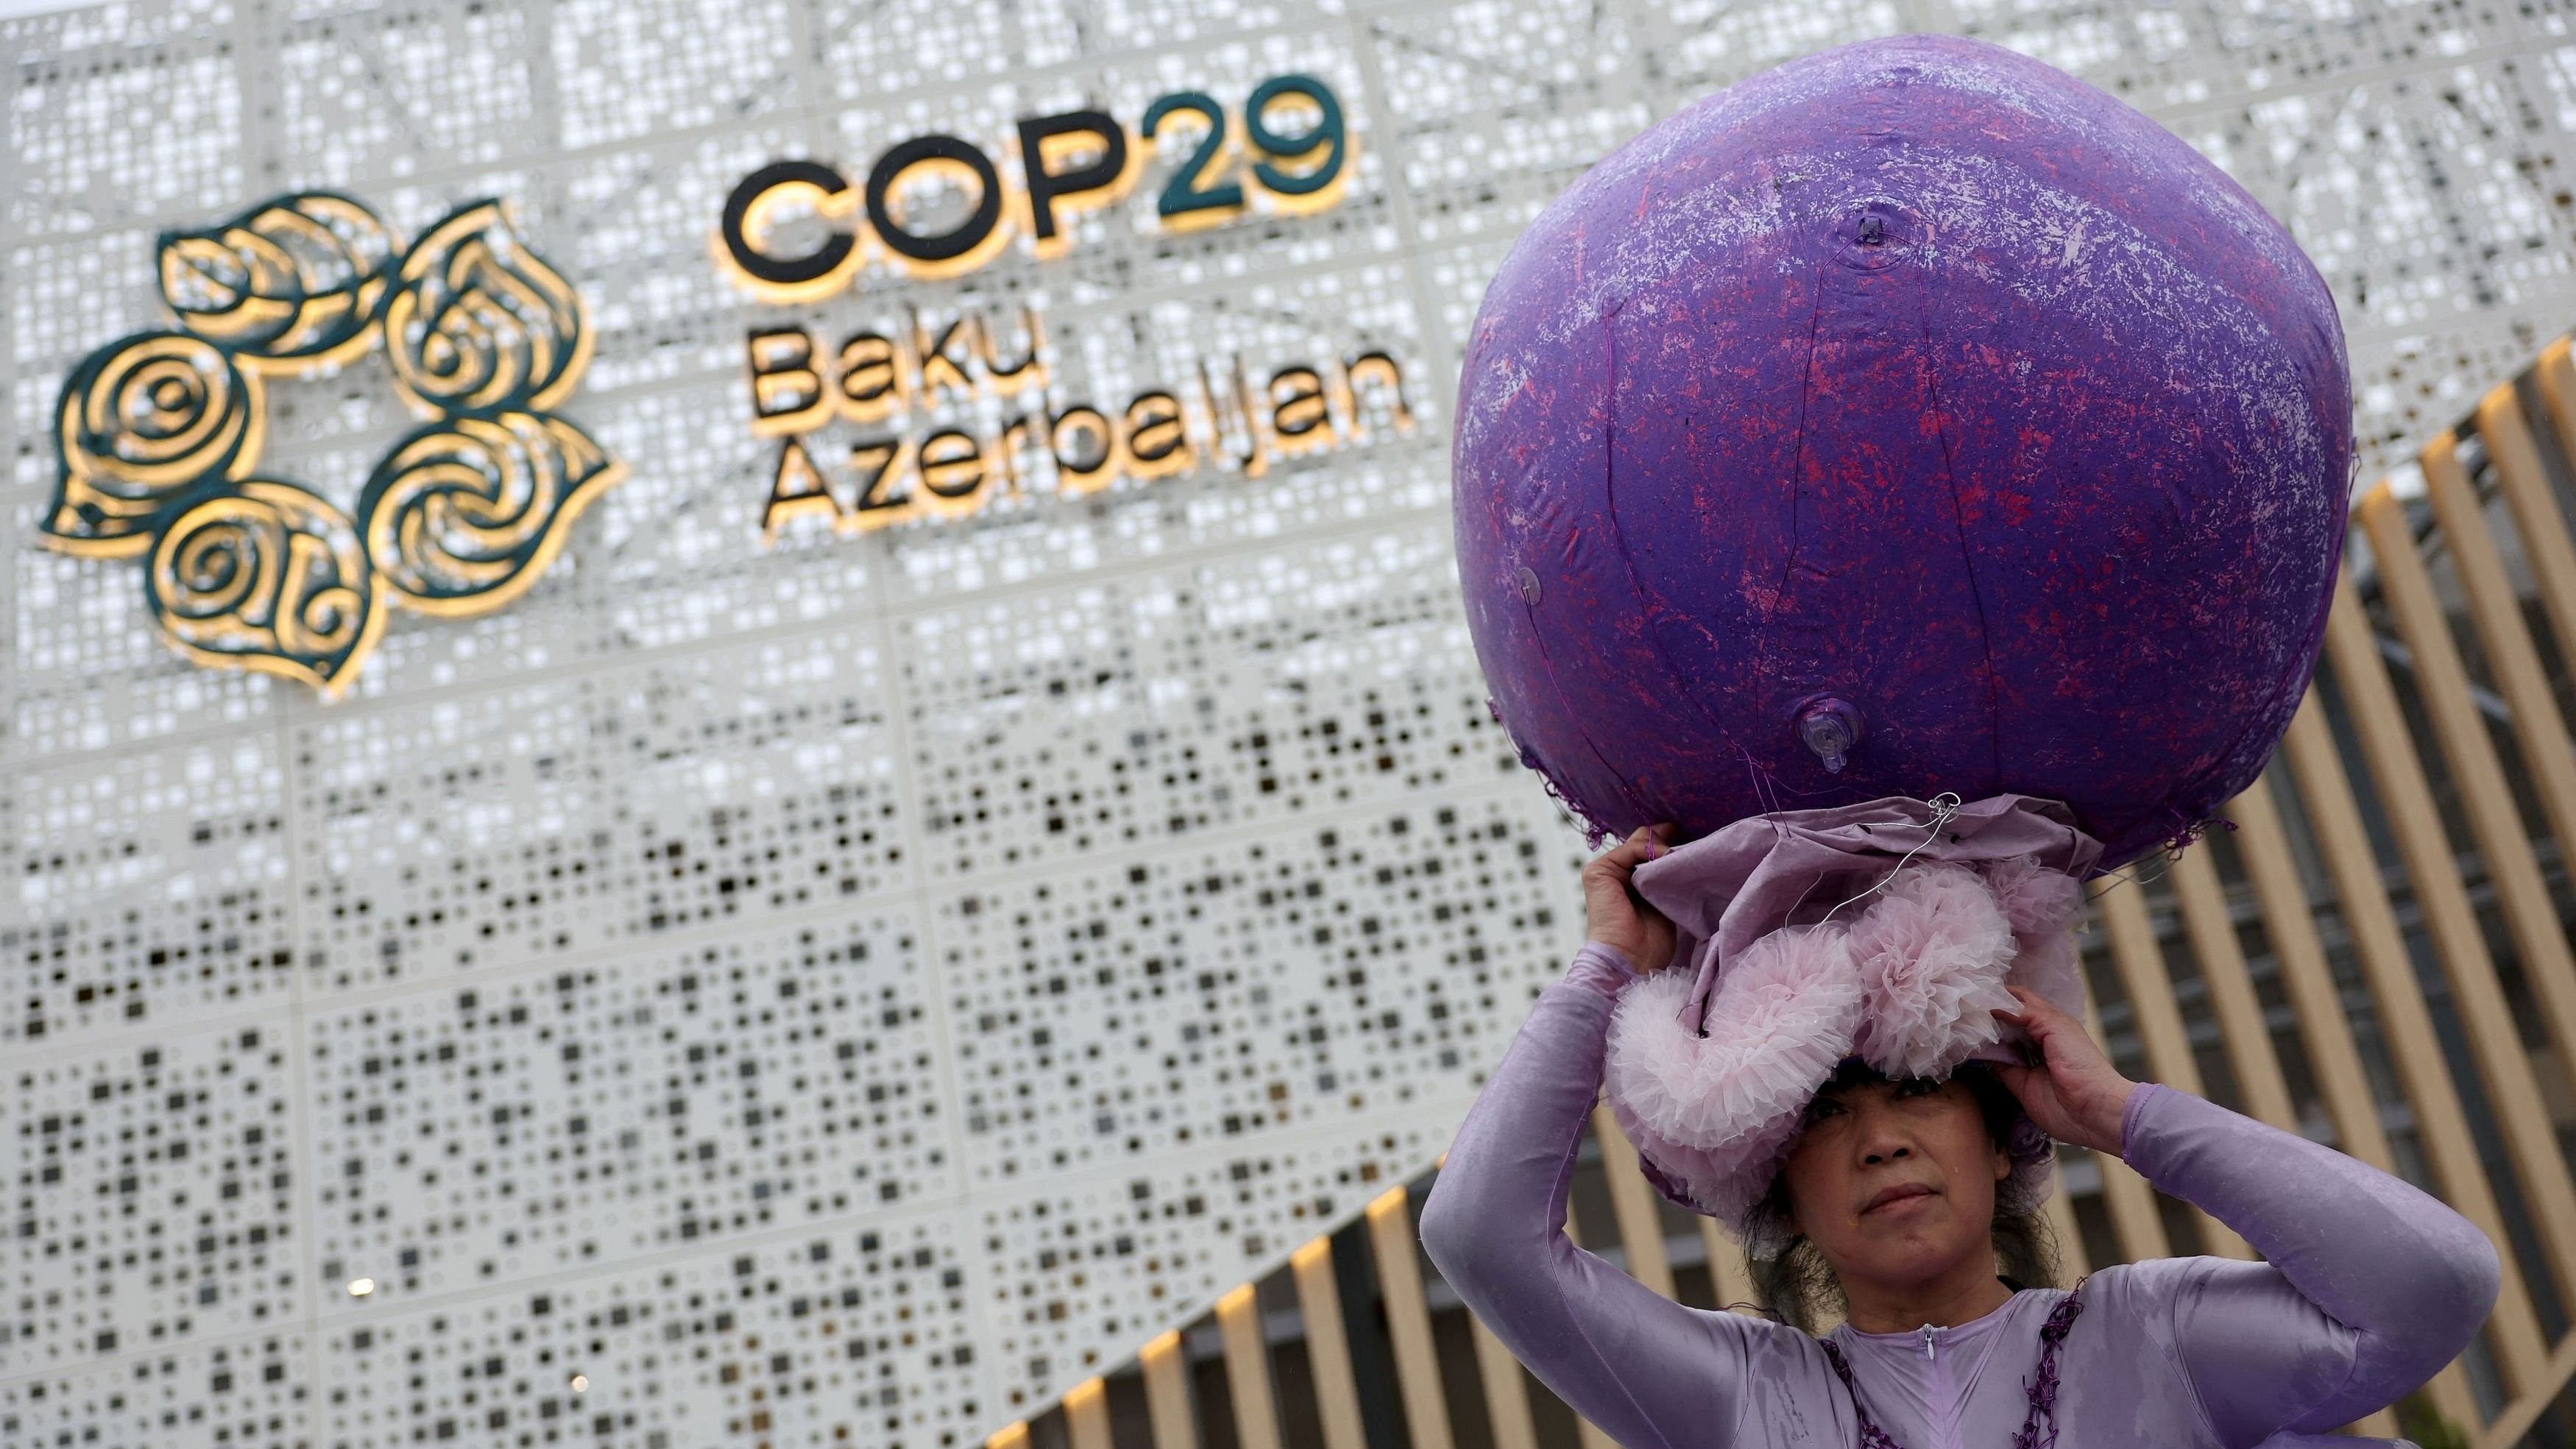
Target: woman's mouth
1902,1192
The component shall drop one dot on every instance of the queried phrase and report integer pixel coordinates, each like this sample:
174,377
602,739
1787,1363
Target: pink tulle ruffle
1932,951
2042,905
1716,1111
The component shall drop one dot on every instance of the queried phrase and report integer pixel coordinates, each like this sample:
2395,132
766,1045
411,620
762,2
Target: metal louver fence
2377,955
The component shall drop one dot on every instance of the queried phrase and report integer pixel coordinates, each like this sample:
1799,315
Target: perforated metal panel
848,989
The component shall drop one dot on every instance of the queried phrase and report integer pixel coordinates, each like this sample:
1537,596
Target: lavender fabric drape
2368,1288
1792,867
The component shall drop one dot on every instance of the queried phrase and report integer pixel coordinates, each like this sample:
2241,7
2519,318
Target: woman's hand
2074,1094
1618,916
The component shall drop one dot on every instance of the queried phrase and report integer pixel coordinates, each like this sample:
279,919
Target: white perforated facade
847,988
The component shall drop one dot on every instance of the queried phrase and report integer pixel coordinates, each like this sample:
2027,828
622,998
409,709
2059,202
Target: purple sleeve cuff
1603,968
2140,1097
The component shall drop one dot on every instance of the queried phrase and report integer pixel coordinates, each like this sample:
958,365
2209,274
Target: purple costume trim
2042,1387
1871,1436
2043,1384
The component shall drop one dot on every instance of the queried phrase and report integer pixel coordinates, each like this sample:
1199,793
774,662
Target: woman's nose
1882,1135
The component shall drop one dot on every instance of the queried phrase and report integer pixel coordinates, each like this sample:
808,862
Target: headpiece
1884,931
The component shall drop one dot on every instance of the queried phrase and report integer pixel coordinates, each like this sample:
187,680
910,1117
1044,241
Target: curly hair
1798,1287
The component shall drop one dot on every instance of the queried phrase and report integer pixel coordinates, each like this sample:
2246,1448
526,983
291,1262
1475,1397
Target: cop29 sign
1228,159
930,414
795,232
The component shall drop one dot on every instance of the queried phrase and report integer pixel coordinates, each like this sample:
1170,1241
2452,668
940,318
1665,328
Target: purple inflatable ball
1911,418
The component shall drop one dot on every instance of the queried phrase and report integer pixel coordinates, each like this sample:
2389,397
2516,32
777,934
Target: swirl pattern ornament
266,576
157,435
287,286
141,423
462,516
476,323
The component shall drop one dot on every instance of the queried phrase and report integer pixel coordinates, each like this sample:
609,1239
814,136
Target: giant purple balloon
1918,389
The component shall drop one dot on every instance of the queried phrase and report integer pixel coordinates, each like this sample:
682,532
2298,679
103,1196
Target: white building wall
850,989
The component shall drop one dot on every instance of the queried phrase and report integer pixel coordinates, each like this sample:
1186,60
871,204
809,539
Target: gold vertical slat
2443,684
1086,1415
1506,1397
1727,1277
2556,377
2123,908
1167,1393
2434,871
2442,1129
2072,1261
2211,927
2541,516
2135,1224
2538,729
1408,1320
2524,482
2125,1195
1328,1346
2300,958
1632,1201
1247,1369
2519,1416
1590,1435
2542,529
1013,1435
2333,1057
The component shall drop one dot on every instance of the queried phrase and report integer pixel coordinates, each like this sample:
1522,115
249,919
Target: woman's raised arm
2370,1285
1644,1368
2369,1288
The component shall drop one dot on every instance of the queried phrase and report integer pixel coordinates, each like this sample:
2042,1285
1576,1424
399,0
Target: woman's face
1895,1181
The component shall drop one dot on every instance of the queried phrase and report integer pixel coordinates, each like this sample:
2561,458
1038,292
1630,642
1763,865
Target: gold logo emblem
158,436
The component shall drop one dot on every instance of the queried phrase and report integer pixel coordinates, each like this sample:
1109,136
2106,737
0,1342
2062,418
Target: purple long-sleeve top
2370,1286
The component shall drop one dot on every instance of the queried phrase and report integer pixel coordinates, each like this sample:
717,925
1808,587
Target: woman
2369,1287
